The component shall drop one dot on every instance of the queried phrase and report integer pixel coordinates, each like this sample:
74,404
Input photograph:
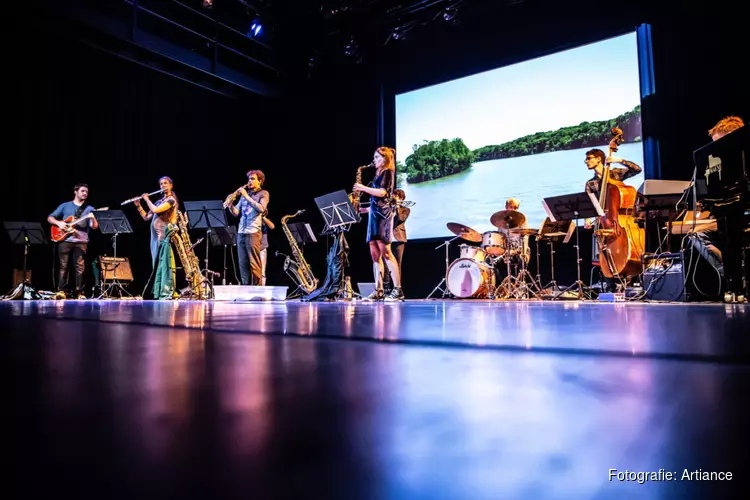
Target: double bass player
621,243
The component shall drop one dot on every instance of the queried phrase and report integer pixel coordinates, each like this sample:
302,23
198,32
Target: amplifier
664,277
108,265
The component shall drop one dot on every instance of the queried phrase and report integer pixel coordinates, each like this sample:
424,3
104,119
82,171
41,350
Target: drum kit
473,274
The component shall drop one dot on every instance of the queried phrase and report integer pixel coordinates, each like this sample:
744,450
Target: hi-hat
524,231
507,219
464,232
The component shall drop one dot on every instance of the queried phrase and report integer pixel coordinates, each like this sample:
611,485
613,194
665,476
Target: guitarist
77,241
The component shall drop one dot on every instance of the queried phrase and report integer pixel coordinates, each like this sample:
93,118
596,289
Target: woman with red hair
380,223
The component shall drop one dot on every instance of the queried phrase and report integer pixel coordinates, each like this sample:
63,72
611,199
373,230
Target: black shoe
375,295
396,295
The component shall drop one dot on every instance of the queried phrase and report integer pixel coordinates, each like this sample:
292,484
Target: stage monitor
464,147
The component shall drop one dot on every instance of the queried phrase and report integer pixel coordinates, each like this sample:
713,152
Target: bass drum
469,279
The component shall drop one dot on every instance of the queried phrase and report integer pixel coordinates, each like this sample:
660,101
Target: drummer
518,242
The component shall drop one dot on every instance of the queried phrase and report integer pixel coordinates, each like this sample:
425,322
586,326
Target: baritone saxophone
296,266
198,286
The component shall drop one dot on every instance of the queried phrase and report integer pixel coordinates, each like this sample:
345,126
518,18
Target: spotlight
449,14
207,4
255,28
351,48
399,33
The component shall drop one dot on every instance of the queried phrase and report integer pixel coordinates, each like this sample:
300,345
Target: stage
421,399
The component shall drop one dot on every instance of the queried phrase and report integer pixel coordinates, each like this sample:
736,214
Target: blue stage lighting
255,28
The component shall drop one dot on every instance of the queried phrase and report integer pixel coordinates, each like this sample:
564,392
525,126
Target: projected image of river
471,197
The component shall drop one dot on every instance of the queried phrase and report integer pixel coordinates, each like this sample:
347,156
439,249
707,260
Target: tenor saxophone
197,283
297,269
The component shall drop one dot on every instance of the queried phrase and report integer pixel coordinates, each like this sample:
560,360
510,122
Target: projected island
464,147
436,159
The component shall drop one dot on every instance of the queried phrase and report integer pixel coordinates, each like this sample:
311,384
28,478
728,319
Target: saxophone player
380,223
252,204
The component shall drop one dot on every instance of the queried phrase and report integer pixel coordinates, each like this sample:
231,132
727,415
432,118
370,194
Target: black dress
380,223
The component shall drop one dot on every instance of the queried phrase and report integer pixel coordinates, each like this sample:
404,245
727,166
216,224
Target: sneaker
375,295
396,295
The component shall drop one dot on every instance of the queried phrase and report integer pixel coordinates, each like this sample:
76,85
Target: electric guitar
58,234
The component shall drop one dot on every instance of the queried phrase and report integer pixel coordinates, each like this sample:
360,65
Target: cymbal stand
526,284
439,287
552,285
538,278
505,289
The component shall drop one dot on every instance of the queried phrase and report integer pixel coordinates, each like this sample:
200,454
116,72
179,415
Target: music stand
337,210
339,215
26,234
552,232
113,222
571,207
206,215
226,236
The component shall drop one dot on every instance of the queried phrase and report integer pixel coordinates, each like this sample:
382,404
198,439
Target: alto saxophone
298,269
197,283
354,197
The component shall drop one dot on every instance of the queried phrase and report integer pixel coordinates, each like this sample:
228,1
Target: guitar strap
80,211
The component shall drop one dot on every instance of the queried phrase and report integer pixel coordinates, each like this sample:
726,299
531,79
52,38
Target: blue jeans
702,241
248,249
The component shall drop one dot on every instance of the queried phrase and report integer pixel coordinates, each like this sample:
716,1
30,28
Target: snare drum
473,253
494,243
467,278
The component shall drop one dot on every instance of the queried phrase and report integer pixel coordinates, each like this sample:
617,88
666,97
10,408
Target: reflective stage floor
423,399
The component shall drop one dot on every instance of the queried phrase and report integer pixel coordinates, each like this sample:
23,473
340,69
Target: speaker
108,265
664,277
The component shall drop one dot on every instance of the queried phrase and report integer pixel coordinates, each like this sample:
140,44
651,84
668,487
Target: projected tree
436,159
586,134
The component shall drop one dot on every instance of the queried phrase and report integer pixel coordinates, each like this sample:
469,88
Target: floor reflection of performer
76,243
399,236
380,223
161,214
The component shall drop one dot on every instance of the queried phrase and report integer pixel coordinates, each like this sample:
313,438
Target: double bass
621,240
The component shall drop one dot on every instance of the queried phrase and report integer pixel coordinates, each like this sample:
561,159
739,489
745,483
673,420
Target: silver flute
131,200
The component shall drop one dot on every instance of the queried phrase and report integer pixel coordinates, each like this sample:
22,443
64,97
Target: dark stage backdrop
88,116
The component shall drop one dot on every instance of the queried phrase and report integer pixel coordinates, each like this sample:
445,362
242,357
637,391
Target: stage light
449,14
255,28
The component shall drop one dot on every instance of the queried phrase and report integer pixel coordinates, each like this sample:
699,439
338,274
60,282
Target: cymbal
464,232
506,219
524,231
